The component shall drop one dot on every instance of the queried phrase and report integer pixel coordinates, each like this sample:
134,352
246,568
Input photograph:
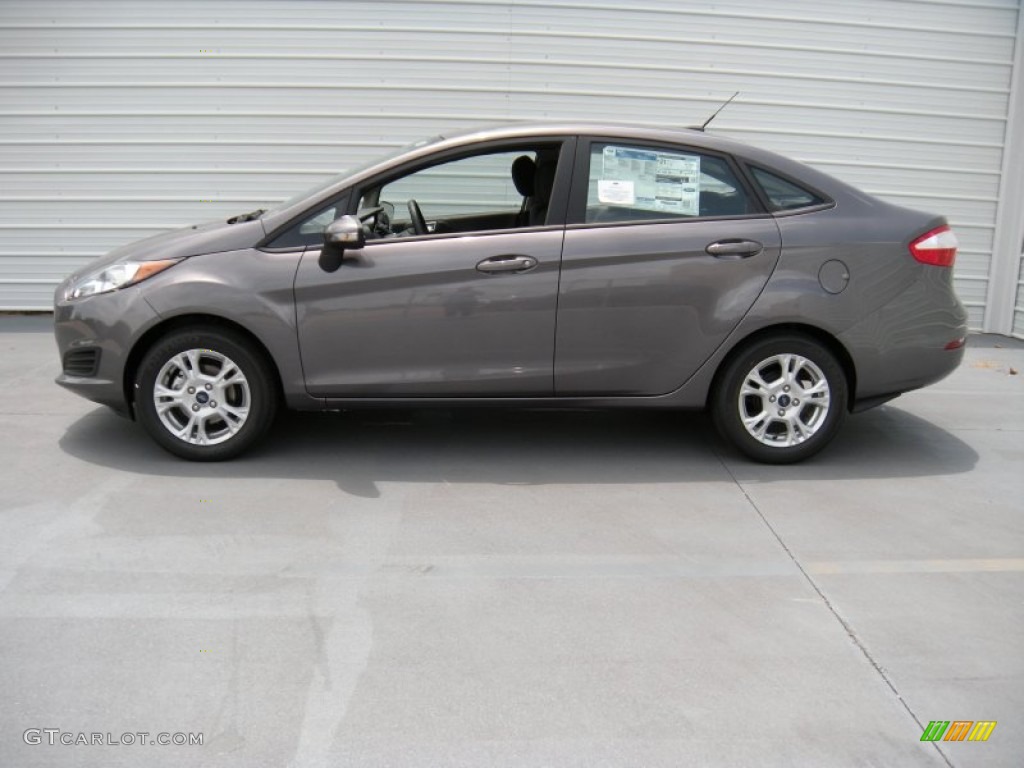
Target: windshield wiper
251,216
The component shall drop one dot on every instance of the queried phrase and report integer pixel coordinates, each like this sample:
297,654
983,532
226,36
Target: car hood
209,237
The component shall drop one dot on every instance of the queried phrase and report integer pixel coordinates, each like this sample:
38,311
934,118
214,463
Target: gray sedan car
569,265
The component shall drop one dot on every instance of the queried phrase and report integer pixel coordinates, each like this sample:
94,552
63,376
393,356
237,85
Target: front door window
493,190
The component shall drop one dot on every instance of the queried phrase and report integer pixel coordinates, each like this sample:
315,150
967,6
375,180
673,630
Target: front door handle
734,249
507,264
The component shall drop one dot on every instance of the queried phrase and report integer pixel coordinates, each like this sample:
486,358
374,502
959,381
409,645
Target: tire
781,399
233,397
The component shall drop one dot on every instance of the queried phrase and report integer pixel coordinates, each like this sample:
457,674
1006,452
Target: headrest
524,171
544,179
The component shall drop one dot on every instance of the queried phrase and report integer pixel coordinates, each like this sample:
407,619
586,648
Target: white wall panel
1018,309
119,119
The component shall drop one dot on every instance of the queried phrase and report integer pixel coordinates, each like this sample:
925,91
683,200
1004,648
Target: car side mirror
345,232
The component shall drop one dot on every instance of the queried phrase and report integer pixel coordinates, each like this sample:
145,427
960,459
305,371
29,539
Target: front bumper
104,327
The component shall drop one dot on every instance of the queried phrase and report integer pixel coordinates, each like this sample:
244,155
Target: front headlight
114,276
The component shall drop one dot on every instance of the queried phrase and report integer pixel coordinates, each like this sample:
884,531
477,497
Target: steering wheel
419,224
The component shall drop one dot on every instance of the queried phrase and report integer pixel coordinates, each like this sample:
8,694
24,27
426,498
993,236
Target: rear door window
636,183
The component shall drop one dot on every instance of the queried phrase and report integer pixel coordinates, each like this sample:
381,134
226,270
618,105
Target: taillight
937,247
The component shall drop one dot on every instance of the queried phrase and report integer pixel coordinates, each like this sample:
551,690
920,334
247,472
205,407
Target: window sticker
613,192
661,181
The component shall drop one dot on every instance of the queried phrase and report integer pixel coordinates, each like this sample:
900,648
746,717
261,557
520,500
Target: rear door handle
734,249
507,264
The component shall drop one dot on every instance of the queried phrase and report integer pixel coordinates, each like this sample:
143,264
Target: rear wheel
205,395
781,399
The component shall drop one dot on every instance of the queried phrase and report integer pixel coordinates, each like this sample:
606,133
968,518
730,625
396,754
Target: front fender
251,288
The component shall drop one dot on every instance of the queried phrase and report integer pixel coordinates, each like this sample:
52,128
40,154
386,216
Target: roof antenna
705,123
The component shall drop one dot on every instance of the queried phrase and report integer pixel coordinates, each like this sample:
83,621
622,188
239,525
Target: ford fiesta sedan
534,266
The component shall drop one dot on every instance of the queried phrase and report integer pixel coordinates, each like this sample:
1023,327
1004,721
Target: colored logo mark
958,730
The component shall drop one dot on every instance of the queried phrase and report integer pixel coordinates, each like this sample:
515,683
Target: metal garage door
118,120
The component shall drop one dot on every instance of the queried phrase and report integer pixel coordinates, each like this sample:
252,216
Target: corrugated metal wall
120,119
1018,309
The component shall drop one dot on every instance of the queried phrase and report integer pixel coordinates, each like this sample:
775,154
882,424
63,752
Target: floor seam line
828,604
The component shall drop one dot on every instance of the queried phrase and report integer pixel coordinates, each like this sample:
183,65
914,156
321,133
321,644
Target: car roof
563,128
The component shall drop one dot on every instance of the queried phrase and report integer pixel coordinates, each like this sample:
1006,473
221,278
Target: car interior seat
544,180
524,174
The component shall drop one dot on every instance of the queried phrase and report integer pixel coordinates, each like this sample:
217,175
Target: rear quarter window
783,194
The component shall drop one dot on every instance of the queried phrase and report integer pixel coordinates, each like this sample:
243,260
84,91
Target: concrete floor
513,589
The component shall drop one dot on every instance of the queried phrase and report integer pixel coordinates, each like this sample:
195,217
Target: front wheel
781,400
205,395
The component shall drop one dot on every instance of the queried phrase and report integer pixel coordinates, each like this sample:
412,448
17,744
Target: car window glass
632,183
496,189
784,195
308,231
469,186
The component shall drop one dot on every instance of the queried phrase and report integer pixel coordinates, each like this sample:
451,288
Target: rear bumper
904,345
106,325
917,369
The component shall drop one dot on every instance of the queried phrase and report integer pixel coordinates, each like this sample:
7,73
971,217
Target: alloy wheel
784,400
202,397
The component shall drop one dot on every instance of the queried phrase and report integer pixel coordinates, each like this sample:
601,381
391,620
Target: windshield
330,182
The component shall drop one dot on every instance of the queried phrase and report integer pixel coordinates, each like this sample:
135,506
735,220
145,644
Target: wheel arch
823,337
192,320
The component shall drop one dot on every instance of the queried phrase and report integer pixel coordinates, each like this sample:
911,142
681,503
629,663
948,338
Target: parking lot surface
486,588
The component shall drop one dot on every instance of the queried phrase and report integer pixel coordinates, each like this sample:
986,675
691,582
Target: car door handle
507,264
734,249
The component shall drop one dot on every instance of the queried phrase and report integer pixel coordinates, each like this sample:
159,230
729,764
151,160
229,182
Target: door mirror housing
345,232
